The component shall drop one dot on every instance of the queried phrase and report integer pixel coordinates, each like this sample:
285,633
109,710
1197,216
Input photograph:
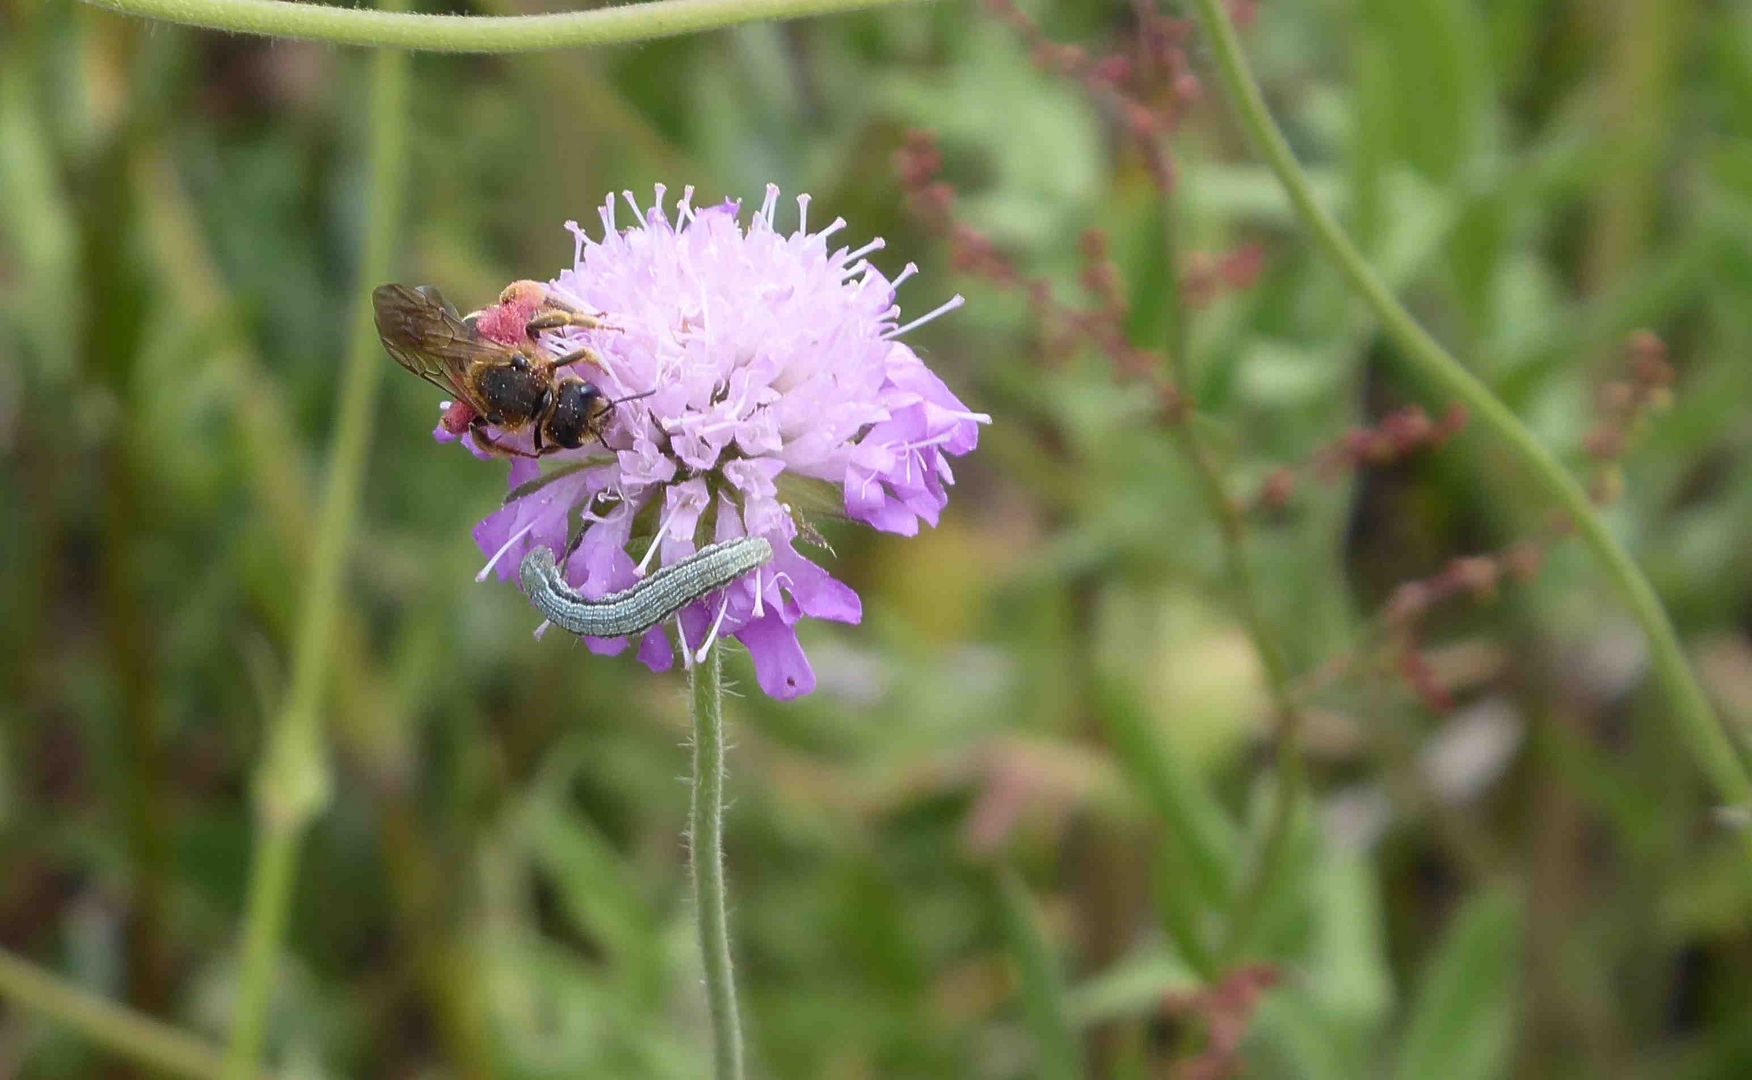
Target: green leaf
1434,49
1349,953
1042,986
1133,986
1461,1023
1197,874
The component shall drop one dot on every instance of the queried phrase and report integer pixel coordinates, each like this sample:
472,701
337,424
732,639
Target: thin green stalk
292,786
706,850
372,727
1268,864
1645,38
1058,1055
478,33
1424,358
120,1030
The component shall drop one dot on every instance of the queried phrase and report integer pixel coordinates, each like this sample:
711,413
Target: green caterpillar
644,605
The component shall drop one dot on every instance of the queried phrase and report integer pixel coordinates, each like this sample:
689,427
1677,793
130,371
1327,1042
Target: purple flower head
769,356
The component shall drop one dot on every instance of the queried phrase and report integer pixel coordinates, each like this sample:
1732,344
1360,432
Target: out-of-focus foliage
998,840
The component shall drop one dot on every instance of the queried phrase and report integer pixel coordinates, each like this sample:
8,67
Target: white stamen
875,245
784,581
657,541
681,636
759,605
906,271
864,483
638,214
769,205
497,555
700,657
943,309
803,215
541,631
834,226
684,210
607,214
659,190
910,447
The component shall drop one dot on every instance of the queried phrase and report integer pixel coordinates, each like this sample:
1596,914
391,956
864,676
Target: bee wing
425,335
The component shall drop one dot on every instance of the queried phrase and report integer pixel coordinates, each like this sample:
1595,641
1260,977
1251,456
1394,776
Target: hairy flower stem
478,33
706,850
1426,360
292,786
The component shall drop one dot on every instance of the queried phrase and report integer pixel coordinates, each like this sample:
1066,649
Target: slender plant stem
1263,873
371,728
120,1030
478,33
1272,859
1698,725
1058,1051
292,786
706,849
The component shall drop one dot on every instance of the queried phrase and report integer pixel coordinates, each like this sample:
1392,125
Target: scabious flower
767,356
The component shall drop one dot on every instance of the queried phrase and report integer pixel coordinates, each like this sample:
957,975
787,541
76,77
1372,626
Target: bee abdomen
511,395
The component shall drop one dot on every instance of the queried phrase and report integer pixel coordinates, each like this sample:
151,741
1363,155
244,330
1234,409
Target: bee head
577,412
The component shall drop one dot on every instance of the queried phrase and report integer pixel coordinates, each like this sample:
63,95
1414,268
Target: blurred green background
975,850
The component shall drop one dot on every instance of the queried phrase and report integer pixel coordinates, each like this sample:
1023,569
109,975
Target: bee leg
585,354
553,318
490,445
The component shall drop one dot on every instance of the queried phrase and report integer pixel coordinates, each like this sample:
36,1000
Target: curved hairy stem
1425,359
706,850
478,33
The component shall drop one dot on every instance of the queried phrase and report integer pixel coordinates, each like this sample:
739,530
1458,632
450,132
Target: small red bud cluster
1145,87
1645,387
1227,1008
1206,276
1474,576
1146,93
1397,436
917,165
1243,13
1064,328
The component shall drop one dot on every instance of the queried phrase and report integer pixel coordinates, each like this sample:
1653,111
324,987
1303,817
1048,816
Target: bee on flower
745,358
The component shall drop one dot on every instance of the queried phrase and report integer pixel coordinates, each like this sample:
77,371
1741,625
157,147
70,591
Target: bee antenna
632,397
